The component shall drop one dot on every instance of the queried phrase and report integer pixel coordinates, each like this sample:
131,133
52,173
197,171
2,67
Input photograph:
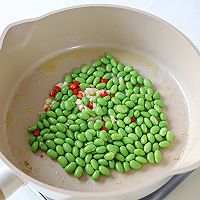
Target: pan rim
28,178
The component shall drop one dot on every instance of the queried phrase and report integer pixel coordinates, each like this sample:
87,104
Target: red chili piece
104,128
52,94
133,119
104,93
112,95
47,109
56,89
72,86
90,105
36,132
75,91
103,80
76,83
80,95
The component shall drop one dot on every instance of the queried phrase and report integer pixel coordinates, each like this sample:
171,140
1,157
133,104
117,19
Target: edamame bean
62,161
96,175
52,154
70,167
157,156
104,170
89,169
101,117
35,146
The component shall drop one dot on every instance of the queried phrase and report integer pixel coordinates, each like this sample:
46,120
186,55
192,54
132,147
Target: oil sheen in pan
29,99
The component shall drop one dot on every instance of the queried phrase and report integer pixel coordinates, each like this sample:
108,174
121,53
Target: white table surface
184,14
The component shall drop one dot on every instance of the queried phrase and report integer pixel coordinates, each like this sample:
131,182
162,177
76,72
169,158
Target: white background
184,14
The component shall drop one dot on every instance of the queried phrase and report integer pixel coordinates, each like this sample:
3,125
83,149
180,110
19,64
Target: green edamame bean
101,149
119,157
113,89
139,152
163,131
163,124
83,116
121,87
104,135
35,146
44,131
163,117
68,78
130,148
150,157
103,162
96,175
155,129
88,158
74,127
62,161
62,119
119,167
94,164
60,150
112,148
157,156
42,116
70,167
150,137
59,141
154,120
99,142
147,147
79,161
164,144
89,169
159,103
143,139
126,166
116,136
109,84
55,105
169,136
123,151
158,137
70,157
130,157
147,122
89,148
104,170
109,156
31,139
78,172
144,128
141,159
67,147
61,127
52,154
50,144
138,145
127,140
135,164
156,95
49,136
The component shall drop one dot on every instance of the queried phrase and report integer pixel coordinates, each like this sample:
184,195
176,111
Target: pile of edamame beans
119,124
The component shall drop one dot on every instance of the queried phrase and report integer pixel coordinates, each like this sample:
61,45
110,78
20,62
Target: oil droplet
10,118
30,110
19,97
50,66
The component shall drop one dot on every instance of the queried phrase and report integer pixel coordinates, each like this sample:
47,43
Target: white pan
77,36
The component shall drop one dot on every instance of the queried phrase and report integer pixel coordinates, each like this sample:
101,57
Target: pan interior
29,97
